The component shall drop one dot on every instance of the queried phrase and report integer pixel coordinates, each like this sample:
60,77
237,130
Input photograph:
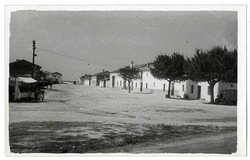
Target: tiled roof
23,62
57,73
101,73
141,67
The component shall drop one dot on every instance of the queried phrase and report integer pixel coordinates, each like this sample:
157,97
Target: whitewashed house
58,77
100,79
191,90
105,82
116,80
186,89
81,80
206,92
85,80
146,82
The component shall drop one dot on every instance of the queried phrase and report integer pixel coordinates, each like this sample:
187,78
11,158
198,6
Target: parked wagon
26,88
227,96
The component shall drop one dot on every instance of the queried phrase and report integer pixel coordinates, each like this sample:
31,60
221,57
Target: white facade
192,90
187,89
87,82
93,81
104,83
147,82
205,94
116,81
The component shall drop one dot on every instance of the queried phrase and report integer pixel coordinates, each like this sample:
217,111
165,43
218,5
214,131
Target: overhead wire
79,59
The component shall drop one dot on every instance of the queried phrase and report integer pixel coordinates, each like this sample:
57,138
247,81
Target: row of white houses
187,89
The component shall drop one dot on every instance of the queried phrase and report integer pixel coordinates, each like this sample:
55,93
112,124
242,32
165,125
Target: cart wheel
40,98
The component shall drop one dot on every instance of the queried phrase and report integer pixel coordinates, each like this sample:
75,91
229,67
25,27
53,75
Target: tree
128,74
168,67
212,66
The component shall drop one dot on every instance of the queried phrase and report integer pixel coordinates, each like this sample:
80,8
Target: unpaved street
93,114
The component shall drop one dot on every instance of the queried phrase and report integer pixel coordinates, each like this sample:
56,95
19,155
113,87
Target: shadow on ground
89,137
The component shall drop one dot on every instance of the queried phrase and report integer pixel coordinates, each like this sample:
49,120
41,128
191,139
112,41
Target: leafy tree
168,67
128,74
212,66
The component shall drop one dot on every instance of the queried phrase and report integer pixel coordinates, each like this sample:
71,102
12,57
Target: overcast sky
94,40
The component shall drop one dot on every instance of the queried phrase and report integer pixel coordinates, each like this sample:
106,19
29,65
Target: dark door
104,83
164,87
199,92
141,86
113,81
172,90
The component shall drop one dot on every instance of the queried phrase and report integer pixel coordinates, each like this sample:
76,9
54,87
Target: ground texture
85,119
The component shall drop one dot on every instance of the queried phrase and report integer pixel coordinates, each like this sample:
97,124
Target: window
192,88
117,84
183,87
208,90
135,85
154,84
146,85
120,83
147,75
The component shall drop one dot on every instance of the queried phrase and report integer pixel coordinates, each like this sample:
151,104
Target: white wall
107,83
148,82
93,81
86,82
217,88
180,88
118,80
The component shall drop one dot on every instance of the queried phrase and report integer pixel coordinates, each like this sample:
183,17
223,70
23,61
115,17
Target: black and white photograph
132,80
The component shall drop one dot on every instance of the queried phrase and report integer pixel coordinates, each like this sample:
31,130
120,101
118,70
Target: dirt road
105,111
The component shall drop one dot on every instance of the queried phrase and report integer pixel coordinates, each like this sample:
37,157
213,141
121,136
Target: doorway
199,92
113,81
172,90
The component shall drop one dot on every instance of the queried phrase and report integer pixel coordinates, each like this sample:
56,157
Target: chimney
18,60
131,64
148,65
103,70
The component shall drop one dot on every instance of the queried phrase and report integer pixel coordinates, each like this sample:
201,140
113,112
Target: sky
75,43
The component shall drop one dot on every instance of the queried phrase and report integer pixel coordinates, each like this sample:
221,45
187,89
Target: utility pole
33,59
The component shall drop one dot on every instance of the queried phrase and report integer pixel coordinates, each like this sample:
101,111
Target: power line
80,59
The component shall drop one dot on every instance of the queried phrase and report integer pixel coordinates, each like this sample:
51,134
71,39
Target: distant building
54,78
23,68
81,80
85,80
58,77
101,76
145,82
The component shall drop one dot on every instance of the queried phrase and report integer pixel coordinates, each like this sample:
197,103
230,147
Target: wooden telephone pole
33,59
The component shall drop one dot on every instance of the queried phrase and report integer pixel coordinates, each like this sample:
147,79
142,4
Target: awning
26,80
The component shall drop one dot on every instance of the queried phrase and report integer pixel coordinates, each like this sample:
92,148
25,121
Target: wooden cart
26,88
